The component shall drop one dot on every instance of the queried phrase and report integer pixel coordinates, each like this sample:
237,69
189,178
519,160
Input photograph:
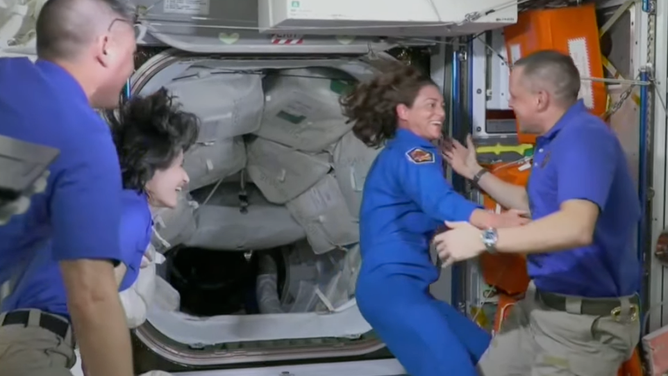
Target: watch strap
476,177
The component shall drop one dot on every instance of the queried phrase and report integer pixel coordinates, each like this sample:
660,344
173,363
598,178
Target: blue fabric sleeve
425,184
85,206
585,163
135,239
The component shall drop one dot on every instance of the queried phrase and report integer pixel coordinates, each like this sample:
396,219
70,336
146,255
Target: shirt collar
63,79
404,135
575,110
132,197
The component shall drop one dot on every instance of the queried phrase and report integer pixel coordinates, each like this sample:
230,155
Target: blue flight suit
406,197
581,158
42,286
79,212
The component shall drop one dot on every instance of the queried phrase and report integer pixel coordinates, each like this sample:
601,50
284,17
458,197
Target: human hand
462,159
510,218
151,256
461,242
146,260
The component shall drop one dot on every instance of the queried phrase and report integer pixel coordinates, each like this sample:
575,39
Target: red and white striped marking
287,39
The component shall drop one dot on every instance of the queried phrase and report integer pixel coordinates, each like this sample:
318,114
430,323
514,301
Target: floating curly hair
371,105
150,132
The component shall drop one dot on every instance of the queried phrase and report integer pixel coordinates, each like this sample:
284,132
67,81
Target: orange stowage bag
503,307
569,30
506,272
633,366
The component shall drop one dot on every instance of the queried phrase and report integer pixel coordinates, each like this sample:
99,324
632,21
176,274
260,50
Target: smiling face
525,103
164,187
426,115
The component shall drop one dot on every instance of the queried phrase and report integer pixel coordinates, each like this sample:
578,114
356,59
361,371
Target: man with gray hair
580,313
85,52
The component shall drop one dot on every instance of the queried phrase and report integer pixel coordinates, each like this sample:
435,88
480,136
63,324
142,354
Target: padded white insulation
281,139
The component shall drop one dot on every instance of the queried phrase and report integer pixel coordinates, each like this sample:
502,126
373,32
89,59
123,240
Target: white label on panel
515,53
190,7
577,48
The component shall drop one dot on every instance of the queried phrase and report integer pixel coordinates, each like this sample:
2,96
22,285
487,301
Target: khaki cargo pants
555,335
33,343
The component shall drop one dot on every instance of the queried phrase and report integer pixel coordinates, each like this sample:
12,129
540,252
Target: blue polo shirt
580,158
42,286
79,212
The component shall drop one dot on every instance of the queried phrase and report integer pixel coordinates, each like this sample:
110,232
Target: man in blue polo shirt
580,315
85,54
151,135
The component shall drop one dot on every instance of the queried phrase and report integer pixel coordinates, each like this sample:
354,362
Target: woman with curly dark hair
405,198
151,135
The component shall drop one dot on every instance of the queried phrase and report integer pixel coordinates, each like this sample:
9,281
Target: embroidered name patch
420,156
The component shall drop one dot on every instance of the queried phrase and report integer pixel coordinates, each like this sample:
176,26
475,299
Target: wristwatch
476,177
489,238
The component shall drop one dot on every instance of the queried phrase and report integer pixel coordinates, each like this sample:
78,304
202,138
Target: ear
102,50
402,111
542,100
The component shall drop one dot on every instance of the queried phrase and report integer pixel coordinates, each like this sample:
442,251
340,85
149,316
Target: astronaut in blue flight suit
405,198
151,135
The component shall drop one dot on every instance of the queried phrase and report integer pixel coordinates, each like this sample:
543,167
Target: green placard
340,86
294,119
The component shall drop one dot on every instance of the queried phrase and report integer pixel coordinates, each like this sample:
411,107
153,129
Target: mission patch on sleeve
420,156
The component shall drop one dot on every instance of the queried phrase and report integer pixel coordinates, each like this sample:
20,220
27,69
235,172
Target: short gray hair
554,69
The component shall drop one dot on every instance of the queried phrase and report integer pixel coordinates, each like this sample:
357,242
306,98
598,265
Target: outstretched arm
422,178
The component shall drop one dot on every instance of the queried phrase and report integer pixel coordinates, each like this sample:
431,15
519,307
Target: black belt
47,321
593,307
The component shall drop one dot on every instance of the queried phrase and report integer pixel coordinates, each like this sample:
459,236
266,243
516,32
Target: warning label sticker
577,48
190,7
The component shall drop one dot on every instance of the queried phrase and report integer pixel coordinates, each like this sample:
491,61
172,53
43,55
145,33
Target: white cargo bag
226,228
300,286
210,162
302,109
341,287
323,213
266,288
228,104
227,193
138,298
222,226
166,297
173,226
351,268
352,161
282,173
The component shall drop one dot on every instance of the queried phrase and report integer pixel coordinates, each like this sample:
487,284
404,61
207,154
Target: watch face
489,236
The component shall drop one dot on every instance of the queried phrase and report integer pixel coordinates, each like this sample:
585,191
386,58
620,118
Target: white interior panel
374,17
